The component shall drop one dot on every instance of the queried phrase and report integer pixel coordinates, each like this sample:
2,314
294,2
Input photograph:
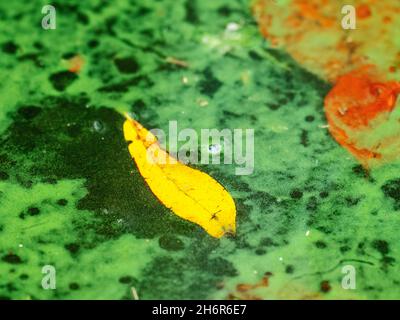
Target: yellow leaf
189,193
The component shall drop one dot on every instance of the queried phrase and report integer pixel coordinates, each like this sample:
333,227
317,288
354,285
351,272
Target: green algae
34,242
72,197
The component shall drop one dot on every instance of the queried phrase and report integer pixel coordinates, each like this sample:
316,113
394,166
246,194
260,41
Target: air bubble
214,148
98,126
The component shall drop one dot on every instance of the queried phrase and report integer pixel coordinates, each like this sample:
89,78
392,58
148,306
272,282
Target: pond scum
72,197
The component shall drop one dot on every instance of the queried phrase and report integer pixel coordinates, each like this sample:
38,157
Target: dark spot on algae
3,176
296,194
351,201
320,244
171,243
73,248
12,258
124,85
255,56
360,171
9,47
74,286
260,251
289,269
231,114
381,245
82,18
344,249
191,12
324,194
387,262
138,104
93,43
33,211
304,138
273,106
224,11
312,204
325,286
310,118
68,55
267,242
391,189
62,202
24,276
62,80
128,280
126,65
210,84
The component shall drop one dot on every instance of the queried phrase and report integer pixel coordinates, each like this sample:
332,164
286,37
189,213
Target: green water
71,197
